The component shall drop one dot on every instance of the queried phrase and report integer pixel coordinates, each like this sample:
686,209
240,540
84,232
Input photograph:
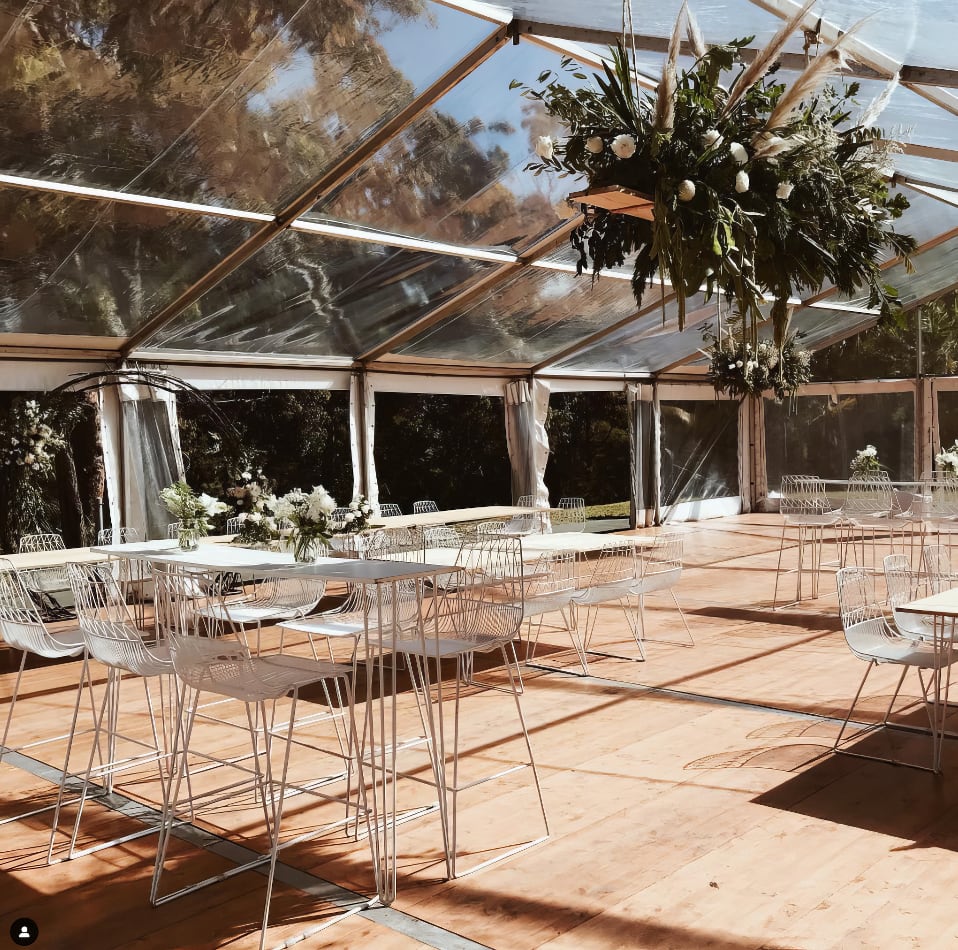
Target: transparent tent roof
343,183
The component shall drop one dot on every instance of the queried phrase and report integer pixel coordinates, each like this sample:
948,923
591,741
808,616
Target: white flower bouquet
947,460
192,511
357,517
30,444
865,462
310,517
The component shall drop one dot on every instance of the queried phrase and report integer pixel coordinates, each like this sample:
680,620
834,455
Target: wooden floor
693,802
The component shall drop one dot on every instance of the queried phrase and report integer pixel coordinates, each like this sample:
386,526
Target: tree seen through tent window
589,450
451,449
300,438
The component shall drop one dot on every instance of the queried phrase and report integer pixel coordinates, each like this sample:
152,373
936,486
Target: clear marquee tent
330,194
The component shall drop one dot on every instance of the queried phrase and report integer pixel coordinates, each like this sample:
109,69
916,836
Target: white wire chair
442,536
941,503
106,536
424,507
490,527
112,638
569,515
937,561
389,510
22,628
225,668
660,569
173,529
466,622
233,525
805,505
871,640
903,585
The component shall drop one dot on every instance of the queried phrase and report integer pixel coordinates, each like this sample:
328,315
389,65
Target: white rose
738,364
784,190
349,518
242,516
545,147
741,182
246,476
711,138
255,518
353,505
686,190
29,458
623,146
739,152
594,144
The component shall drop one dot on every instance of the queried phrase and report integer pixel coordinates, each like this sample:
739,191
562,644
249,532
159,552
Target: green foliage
739,369
764,192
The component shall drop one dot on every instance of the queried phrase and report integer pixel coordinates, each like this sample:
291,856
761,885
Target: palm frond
767,58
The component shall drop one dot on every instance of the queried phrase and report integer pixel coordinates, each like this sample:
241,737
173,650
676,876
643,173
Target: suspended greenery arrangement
726,180
740,369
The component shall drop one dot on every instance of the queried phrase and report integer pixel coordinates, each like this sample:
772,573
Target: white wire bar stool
520,525
469,620
389,510
941,505
569,515
112,638
805,506
46,584
608,580
870,638
22,628
660,569
424,507
224,667
875,511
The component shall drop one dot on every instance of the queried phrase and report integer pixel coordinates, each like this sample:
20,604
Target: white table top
944,604
431,519
35,560
579,541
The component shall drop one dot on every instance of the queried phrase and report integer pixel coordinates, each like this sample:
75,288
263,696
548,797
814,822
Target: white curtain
111,439
151,457
362,436
526,440
641,453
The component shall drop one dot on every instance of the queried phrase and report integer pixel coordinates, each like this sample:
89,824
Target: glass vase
188,538
306,548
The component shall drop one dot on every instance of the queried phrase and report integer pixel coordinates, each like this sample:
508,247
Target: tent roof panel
317,296
456,174
242,110
72,266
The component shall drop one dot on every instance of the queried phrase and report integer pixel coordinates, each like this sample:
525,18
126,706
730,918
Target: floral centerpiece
740,369
192,511
310,517
357,517
865,462
947,460
30,443
250,496
752,188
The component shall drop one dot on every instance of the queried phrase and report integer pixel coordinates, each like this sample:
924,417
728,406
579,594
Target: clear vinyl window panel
299,438
447,449
699,451
819,435
589,450
221,103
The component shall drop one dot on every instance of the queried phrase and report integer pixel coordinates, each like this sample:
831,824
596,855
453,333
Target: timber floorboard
693,800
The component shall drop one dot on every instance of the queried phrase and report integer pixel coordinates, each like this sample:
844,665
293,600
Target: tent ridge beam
329,180
471,292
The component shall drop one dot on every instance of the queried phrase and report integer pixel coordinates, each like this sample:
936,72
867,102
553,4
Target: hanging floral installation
727,181
740,369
